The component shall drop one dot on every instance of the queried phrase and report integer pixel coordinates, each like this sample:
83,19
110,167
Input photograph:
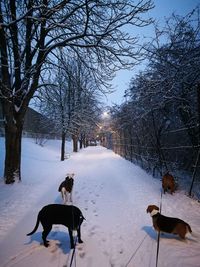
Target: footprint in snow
81,251
95,212
93,230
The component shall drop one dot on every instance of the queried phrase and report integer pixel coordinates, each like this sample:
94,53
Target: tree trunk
81,143
63,146
86,142
198,108
12,170
75,143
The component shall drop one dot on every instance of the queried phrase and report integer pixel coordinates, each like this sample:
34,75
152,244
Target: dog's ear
148,208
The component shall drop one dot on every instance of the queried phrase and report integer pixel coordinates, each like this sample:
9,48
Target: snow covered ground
113,195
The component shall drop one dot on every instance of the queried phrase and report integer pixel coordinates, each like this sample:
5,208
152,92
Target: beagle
168,224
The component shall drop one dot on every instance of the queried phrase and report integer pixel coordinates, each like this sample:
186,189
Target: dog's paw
46,244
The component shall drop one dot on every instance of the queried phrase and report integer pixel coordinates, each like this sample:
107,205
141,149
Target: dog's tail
188,228
36,226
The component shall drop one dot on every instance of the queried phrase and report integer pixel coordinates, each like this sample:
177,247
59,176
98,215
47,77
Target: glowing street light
105,115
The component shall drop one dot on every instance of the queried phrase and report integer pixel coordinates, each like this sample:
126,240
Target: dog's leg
66,197
71,238
182,230
45,233
63,192
79,235
62,195
70,196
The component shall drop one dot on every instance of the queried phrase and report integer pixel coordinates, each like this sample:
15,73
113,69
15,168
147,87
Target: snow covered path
113,195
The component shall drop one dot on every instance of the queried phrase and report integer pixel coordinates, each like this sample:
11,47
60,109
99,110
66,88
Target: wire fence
174,153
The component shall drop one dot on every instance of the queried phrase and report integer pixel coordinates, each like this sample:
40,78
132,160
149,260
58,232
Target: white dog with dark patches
66,188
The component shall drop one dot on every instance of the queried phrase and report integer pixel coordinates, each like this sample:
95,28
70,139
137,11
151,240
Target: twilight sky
163,9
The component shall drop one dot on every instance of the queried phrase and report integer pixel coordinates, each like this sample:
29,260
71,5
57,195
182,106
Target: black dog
70,216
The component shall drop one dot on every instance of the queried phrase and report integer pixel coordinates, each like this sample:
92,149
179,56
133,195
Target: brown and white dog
168,183
66,188
170,225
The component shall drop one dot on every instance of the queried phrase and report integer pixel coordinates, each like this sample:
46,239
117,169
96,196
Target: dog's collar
154,212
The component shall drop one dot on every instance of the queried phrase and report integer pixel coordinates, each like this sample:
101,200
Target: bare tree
31,30
70,99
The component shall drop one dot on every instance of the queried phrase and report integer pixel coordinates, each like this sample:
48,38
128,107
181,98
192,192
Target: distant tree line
69,98
158,126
